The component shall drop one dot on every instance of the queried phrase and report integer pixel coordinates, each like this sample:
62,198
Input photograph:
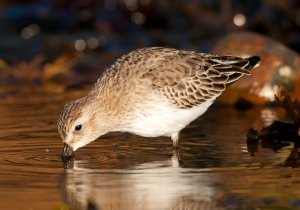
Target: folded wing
188,78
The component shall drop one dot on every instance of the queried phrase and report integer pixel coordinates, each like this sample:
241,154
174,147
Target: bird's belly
163,119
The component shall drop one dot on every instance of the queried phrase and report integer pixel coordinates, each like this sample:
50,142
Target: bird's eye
78,127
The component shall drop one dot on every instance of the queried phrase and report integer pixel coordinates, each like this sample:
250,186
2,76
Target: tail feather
253,61
233,77
240,68
233,67
227,62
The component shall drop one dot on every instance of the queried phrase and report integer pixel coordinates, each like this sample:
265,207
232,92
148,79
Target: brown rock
280,66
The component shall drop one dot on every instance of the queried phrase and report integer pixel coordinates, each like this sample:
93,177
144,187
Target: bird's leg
176,157
175,139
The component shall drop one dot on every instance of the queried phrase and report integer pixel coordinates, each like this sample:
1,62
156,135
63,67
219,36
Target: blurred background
55,45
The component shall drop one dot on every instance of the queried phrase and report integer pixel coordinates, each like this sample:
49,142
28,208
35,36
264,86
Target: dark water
212,170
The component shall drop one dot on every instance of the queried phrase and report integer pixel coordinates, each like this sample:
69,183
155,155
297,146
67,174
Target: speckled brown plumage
151,92
186,78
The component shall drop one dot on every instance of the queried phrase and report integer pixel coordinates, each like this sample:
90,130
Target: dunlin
150,92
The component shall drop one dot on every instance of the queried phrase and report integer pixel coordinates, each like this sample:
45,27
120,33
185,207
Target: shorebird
150,92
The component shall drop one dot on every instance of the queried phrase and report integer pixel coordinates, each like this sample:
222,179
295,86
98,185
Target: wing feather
189,78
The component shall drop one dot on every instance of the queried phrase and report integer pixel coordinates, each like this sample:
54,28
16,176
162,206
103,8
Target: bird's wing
188,79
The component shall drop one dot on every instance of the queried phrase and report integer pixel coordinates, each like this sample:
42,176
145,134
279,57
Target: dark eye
78,127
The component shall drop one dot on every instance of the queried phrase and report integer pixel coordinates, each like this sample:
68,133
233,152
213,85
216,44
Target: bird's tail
235,67
253,62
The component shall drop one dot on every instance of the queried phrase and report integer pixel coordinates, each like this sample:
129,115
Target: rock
279,66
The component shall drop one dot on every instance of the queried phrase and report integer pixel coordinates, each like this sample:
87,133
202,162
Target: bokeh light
30,31
138,18
239,19
131,5
80,45
92,43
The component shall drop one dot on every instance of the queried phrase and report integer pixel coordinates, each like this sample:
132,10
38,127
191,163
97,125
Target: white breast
161,118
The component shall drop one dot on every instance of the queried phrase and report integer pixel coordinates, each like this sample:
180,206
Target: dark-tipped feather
253,60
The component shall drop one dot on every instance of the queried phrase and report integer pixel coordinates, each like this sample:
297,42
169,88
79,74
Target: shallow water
212,170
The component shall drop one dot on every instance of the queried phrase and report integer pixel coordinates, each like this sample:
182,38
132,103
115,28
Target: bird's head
79,124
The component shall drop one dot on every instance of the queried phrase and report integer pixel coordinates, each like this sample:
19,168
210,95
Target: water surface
214,168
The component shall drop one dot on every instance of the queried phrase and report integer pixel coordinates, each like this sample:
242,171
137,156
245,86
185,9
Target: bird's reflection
154,185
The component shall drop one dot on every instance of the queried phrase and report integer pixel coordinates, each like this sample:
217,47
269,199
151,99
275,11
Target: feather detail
189,78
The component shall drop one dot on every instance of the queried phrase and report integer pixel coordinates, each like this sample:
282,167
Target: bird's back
186,78
161,90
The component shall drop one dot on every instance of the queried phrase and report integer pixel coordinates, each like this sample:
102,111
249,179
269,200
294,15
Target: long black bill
68,153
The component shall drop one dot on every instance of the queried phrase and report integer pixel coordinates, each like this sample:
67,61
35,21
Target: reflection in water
123,171
268,116
154,185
